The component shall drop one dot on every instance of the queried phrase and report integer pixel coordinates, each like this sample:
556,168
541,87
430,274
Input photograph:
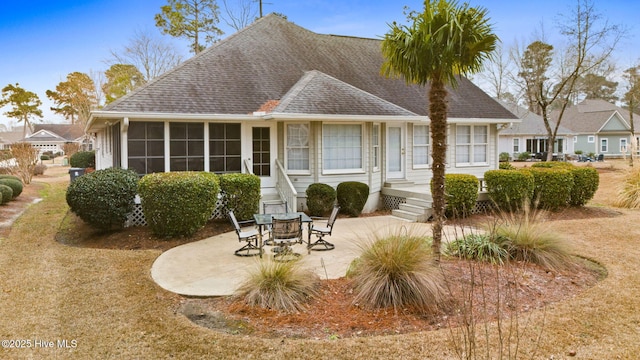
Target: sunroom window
145,145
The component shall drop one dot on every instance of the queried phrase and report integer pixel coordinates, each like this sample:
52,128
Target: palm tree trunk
438,115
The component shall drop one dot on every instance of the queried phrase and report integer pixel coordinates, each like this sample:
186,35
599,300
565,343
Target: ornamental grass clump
282,286
398,270
527,238
479,247
629,194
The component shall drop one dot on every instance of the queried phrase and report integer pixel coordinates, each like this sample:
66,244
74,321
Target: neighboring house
530,135
9,137
600,127
295,108
51,137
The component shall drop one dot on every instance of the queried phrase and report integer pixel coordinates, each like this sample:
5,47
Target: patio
209,267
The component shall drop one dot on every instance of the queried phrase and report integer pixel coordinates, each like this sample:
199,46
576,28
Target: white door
395,152
261,151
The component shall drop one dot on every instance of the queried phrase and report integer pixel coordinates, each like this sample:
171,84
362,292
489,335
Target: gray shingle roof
266,60
590,115
67,131
532,123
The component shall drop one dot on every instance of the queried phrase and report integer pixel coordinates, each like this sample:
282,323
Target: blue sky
41,41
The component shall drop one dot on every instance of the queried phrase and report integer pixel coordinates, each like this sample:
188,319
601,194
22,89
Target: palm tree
440,44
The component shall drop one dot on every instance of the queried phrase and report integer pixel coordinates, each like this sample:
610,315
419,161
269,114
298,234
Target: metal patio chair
251,236
321,231
284,233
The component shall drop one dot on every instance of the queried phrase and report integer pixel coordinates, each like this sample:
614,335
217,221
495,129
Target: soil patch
518,288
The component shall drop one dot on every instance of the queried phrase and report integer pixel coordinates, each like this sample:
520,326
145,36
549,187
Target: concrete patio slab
209,267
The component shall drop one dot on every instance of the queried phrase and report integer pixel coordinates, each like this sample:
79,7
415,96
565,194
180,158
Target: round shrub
461,191
15,185
240,194
83,159
352,196
504,156
7,176
178,203
524,156
509,189
7,194
103,198
506,166
320,199
552,187
585,185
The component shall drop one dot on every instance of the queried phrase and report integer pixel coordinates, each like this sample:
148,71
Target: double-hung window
342,148
375,143
421,148
516,145
472,144
604,145
297,151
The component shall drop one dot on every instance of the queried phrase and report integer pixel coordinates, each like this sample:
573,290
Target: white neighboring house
530,135
52,137
295,107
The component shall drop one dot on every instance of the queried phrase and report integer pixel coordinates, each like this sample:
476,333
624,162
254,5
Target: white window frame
591,139
375,146
303,147
426,145
472,145
324,159
604,145
624,146
516,145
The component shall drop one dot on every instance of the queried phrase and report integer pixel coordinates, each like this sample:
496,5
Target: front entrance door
395,152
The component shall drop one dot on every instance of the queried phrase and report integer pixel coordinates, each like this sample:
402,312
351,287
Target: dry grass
107,302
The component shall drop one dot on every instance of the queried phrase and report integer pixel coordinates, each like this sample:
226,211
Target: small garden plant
282,286
398,270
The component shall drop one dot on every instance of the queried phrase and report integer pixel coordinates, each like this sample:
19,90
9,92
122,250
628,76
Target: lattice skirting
136,217
393,202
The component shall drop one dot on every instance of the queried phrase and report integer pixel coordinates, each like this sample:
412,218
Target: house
9,137
294,107
52,137
600,127
530,135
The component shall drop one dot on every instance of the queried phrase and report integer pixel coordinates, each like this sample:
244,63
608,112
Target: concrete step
415,209
426,203
398,183
411,216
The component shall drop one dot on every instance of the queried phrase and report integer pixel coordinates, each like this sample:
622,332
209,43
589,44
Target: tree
243,13
26,104
496,74
190,19
551,81
121,80
75,98
150,55
632,100
440,44
594,86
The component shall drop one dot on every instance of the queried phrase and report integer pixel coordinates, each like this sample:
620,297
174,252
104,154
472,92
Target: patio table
267,219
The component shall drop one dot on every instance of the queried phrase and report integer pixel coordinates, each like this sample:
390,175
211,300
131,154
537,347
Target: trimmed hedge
552,187
352,196
461,191
509,189
7,194
15,185
178,203
585,180
83,159
7,176
585,184
240,194
103,198
506,166
320,199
